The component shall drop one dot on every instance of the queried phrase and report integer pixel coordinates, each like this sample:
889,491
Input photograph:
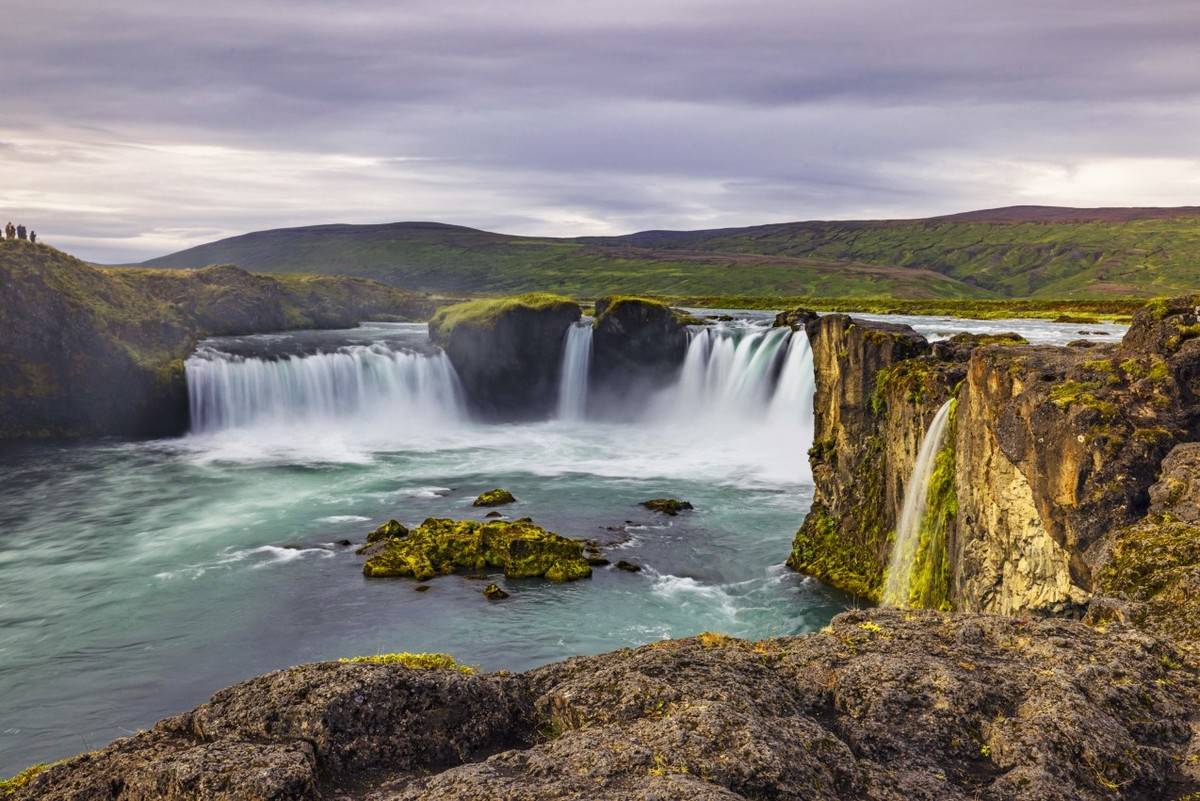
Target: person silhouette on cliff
10,231
21,232
33,237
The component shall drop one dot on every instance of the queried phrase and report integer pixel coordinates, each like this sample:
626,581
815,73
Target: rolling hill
1014,252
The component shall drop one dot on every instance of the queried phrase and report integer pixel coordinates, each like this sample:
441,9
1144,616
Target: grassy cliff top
484,313
1019,252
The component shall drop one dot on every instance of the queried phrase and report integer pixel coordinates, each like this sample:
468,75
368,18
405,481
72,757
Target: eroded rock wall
1054,448
869,421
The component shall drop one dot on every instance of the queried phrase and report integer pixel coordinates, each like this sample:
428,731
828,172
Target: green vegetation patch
931,583
412,661
442,546
912,379
485,313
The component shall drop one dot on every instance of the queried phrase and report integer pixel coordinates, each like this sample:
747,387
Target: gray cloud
130,128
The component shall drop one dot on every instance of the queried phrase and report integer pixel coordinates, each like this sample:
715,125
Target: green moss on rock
442,546
1158,566
390,529
496,497
10,786
823,550
412,661
485,313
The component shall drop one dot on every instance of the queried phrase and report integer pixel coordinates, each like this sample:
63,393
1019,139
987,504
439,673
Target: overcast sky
131,128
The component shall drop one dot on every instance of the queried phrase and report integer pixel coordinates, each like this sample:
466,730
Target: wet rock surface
638,345
507,352
882,705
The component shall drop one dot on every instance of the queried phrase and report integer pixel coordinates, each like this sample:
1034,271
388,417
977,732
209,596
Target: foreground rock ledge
881,705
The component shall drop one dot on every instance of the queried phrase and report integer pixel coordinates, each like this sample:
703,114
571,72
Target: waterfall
912,514
750,387
577,360
371,382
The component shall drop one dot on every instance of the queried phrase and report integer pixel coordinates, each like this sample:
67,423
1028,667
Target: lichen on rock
442,546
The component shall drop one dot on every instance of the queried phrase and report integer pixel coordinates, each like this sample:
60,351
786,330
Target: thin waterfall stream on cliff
139,577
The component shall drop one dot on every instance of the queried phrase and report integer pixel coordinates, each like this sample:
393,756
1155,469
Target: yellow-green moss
1082,393
1157,564
441,546
496,497
484,313
10,786
930,586
412,661
822,549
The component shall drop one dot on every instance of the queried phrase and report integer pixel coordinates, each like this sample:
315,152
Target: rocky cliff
507,351
881,706
89,352
1052,449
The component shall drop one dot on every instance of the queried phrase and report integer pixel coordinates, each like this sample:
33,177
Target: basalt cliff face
881,706
507,351
93,352
1052,452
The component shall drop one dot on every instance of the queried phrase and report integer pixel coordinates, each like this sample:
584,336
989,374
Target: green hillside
1037,252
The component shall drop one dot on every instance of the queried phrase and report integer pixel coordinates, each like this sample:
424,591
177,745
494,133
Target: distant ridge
1015,251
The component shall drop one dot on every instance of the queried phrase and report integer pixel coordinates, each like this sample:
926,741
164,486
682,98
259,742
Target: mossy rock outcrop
496,497
667,506
442,546
90,351
507,351
638,345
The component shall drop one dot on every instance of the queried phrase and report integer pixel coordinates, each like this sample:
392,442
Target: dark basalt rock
493,593
795,318
881,706
638,345
507,352
629,567
667,506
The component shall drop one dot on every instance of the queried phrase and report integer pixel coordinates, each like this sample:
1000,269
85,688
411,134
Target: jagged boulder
667,506
638,345
507,351
880,706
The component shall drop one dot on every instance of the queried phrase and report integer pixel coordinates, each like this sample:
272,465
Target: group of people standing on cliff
18,232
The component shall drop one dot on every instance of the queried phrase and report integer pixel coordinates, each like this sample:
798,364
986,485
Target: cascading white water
912,513
745,372
577,360
375,382
750,386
